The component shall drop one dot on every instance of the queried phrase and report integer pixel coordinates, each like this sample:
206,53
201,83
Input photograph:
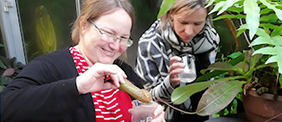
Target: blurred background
30,28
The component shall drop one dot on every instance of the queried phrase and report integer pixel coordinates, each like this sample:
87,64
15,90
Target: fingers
159,114
116,74
176,67
93,79
130,111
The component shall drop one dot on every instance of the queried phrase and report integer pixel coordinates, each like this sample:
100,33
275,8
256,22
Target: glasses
123,41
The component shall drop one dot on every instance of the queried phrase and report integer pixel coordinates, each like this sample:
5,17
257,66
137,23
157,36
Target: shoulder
59,56
60,60
152,32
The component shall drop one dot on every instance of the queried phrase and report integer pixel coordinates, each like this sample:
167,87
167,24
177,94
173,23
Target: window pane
2,48
46,25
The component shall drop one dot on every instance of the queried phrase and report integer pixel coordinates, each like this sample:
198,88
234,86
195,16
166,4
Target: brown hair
178,6
93,9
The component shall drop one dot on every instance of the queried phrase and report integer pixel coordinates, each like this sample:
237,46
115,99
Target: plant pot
262,108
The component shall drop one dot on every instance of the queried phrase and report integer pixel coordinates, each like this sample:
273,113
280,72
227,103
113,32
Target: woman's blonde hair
178,6
93,9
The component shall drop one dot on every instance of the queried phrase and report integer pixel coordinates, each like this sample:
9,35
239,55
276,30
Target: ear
171,15
83,25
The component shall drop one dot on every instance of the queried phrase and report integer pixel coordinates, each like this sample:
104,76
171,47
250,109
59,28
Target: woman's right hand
93,79
176,67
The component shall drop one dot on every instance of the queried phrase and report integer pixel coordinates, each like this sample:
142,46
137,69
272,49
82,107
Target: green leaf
262,40
241,29
252,11
235,55
181,94
262,33
236,9
223,66
277,40
238,16
279,59
227,4
1,88
254,60
272,59
217,6
277,31
212,74
218,96
5,80
210,2
277,11
166,5
2,65
268,17
266,51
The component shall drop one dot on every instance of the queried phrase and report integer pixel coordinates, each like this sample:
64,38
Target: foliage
8,70
261,19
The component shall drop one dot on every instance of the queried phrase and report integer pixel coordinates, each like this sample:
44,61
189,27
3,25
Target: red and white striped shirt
111,105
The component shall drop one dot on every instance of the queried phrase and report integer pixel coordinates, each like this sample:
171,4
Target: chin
187,40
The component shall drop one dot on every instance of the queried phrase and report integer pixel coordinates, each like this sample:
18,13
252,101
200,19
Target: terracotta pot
262,108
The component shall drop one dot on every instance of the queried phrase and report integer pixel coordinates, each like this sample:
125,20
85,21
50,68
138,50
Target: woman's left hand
158,113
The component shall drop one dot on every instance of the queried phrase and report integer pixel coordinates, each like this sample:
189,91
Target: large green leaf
262,40
218,96
180,94
266,51
252,11
166,5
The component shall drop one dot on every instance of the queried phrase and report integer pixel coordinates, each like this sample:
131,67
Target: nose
115,45
189,29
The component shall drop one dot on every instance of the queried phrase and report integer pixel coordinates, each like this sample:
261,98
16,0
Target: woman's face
186,25
96,47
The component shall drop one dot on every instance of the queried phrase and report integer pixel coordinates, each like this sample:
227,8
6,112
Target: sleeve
152,65
131,75
38,93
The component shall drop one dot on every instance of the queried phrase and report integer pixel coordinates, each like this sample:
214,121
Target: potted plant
261,19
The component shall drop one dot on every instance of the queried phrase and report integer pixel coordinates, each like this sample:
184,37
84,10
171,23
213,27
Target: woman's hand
93,79
176,67
158,114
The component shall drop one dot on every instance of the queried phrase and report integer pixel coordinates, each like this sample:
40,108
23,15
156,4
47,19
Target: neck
85,57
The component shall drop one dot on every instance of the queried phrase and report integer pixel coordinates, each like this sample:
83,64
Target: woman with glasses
72,84
183,31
